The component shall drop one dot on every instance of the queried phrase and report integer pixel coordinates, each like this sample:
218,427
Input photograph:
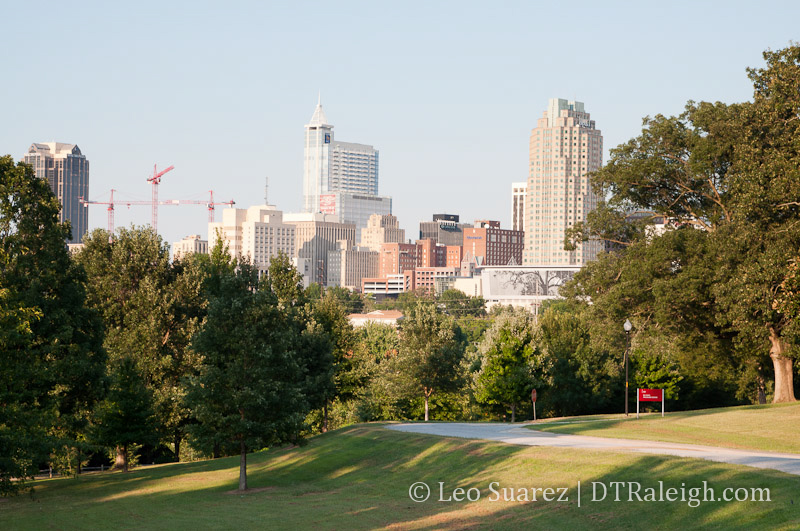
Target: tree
730,171
125,417
52,357
765,185
459,304
508,369
250,391
578,378
331,316
151,309
431,351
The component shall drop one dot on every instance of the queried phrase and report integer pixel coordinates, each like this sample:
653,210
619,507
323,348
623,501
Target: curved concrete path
516,434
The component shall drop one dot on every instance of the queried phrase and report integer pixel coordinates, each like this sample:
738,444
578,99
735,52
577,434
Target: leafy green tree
459,304
125,417
431,351
351,301
52,359
730,171
286,282
763,237
251,389
336,372
369,396
509,363
578,378
151,309
656,372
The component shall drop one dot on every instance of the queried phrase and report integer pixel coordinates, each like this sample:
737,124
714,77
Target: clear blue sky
447,91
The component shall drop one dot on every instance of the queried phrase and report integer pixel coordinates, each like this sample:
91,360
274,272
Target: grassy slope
358,478
773,428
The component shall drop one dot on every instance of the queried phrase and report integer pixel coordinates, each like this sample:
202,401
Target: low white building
193,244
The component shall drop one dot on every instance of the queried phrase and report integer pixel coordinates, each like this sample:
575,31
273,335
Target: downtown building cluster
347,236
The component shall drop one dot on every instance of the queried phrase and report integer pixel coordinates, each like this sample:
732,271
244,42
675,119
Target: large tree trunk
784,384
177,442
121,461
427,394
325,416
513,413
242,466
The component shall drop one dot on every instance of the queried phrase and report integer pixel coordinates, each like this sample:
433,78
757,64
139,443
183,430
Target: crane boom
156,180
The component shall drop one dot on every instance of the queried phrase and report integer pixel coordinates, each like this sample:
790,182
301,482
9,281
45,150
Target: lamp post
628,327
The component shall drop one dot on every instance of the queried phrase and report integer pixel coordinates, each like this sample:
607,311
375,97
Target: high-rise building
349,207
564,147
315,235
348,266
519,196
258,233
333,166
444,229
381,229
67,171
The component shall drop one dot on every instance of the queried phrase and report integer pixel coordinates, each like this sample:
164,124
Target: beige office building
348,266
258,232
381,229
189,245
315,235
564,147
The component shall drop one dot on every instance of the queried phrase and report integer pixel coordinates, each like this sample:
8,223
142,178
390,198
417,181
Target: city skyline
448,95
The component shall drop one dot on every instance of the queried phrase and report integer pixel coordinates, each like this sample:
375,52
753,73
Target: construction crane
209,204
156,180
174,202
110,208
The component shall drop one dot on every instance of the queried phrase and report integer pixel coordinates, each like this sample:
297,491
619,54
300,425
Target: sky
448,92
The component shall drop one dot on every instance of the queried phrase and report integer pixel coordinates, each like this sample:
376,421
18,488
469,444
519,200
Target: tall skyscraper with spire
564,147
340,178
333,166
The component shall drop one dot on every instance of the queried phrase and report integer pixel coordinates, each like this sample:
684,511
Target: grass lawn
773,428
359,478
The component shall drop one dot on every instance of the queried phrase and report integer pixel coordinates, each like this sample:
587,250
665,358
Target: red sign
533,395
651,395
327,204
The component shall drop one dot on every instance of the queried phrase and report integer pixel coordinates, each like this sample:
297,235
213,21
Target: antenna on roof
266,190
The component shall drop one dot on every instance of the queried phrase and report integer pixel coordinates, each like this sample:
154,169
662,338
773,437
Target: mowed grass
773,427
359,478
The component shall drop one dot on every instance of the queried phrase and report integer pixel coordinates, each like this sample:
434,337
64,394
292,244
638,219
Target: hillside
359,478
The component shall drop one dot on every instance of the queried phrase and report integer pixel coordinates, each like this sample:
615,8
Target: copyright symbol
419,492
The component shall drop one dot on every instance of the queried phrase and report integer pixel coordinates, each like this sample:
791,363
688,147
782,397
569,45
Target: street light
628,327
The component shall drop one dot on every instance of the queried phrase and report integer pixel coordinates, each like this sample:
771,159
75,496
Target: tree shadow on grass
359,478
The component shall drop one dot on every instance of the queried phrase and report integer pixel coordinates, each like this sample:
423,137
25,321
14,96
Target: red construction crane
209,204
156,180
175,202
110,208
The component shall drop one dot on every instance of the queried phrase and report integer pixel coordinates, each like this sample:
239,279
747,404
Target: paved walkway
516,434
